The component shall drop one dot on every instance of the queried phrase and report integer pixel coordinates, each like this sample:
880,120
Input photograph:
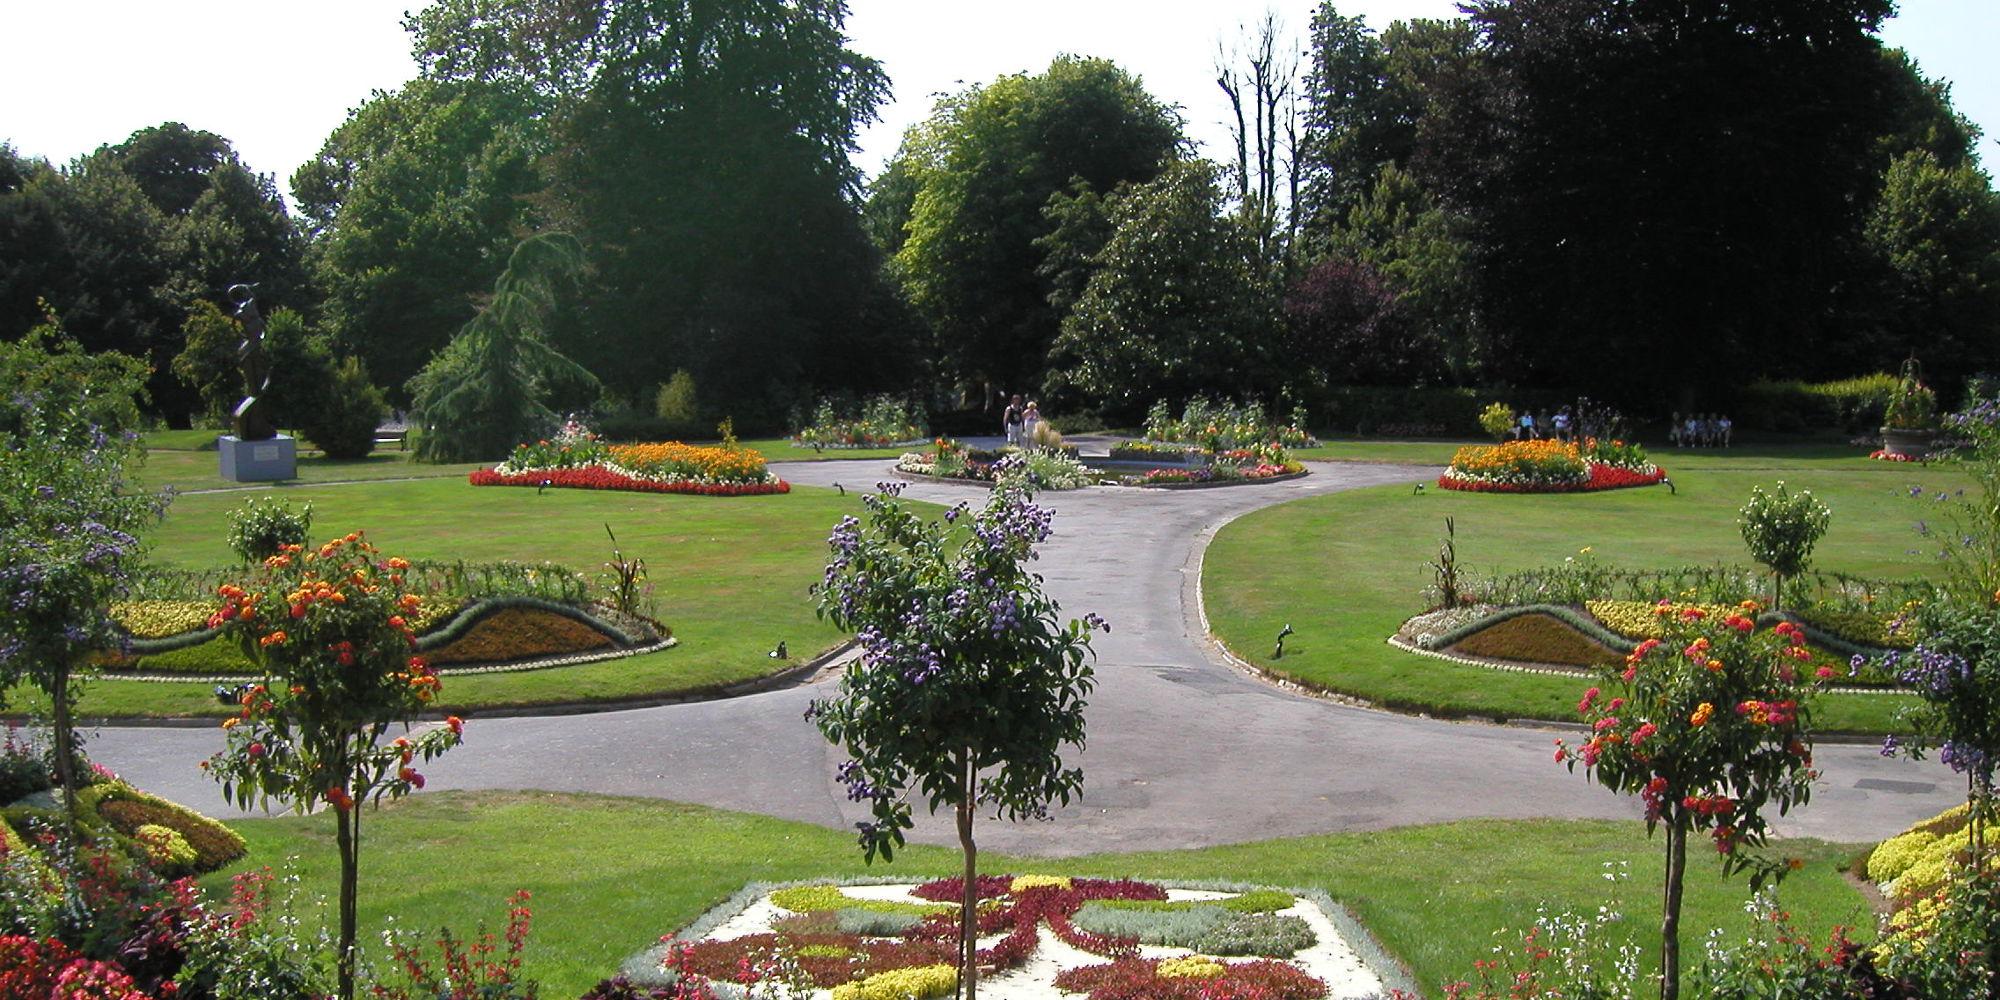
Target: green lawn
1346,569
610,875
730,574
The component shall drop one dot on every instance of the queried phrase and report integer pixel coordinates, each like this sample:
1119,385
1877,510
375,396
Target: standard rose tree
329,628
1710,728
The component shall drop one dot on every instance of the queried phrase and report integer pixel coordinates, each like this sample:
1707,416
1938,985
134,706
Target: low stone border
510,667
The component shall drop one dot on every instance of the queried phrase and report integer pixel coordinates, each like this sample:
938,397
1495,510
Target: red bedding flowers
1602,477
596,477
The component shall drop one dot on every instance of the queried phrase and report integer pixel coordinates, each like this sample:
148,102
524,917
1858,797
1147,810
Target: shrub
1497,420
1913,406
676,404
343,424
1853,406
257,531
814,898
1781,529
919,983
1367,410
128,810
166,850
24,770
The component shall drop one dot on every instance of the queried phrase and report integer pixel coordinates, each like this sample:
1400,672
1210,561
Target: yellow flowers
674,459
1702,713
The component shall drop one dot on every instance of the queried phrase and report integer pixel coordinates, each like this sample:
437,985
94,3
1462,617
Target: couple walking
1019,421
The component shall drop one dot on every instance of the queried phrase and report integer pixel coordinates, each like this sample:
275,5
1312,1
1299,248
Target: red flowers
600,478
339,799
1602,477
457,725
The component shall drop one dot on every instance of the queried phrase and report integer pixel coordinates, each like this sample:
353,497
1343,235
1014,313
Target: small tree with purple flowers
67,525
968,687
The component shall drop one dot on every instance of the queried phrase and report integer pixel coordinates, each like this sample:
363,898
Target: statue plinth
258,461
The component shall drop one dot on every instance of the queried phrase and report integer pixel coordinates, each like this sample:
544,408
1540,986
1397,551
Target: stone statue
253,414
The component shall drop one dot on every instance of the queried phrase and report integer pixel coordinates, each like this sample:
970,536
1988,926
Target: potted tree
1910,421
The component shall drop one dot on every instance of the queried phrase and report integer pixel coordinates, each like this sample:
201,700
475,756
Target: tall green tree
1176,305
1668,188
1937,229
488,390
415,203
987,164
702,153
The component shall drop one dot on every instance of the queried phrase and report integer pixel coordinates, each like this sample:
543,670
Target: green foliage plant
343,423
968,688
68,529
676,402
1955,671
326,628
1914,406
1711,729
258,531
489,387
1497,420
1781,528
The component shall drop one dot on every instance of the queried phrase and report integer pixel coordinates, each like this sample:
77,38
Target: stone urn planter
1911,443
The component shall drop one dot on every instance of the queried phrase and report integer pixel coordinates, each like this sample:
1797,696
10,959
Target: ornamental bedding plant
808,948
1550,466
576,459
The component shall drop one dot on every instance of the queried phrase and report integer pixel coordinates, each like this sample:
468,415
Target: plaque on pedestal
258,461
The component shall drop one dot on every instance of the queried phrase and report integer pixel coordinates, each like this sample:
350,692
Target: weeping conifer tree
487,390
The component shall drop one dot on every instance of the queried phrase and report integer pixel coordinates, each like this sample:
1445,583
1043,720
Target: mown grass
730,576
610,875
1346,569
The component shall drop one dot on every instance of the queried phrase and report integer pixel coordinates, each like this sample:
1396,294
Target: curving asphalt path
1185,750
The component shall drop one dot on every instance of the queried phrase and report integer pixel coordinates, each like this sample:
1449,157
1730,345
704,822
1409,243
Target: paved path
1184,750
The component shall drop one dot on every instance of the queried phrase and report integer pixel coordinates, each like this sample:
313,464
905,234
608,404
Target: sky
276,76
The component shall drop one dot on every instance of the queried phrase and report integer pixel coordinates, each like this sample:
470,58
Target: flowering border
611,477
510,667
1602,477
1885,455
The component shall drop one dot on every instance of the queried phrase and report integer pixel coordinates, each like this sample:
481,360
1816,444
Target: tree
968,688
68,526
702,154
1175,306
1425,254
488,389
1937,229
328,629
415,201
1668,188
1711,729
1345,320
1781,529
986,165
1267,181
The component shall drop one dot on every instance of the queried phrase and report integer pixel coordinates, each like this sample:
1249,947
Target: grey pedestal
258,461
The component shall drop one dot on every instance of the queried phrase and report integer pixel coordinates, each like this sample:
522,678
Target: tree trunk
347,832
1670,921
968,918
65,745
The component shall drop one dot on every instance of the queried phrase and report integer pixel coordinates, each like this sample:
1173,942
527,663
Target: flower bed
1044,469
1550,467
882,422
862,942
1885,455
577,460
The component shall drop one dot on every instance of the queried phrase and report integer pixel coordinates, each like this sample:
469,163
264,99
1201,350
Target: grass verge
1346,569
610,875
730,577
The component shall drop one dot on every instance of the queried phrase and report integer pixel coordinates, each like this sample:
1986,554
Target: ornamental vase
1911,443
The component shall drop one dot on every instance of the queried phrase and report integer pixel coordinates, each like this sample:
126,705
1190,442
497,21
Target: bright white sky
275,76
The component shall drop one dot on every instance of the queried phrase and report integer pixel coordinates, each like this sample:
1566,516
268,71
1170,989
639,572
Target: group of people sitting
1700,430
1570,423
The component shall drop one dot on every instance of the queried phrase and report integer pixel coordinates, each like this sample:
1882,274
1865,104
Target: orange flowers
1702,713
274,639
674,460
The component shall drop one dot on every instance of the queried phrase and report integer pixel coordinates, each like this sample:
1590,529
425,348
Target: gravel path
1185,750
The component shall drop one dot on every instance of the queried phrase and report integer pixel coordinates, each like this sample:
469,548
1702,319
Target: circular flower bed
579,461
1045,469
865,942
1885,455
1550,467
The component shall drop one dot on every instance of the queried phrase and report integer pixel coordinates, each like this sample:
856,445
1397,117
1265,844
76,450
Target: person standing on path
1030,416
1011,421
